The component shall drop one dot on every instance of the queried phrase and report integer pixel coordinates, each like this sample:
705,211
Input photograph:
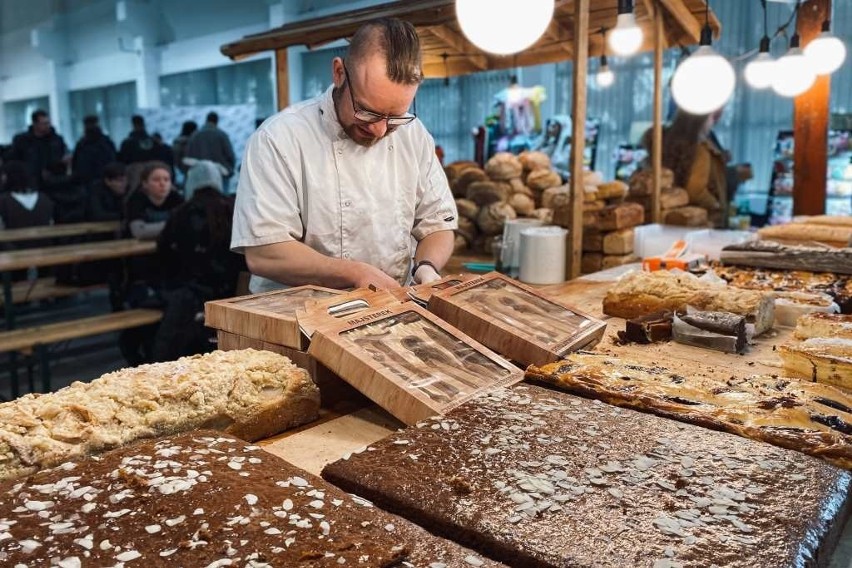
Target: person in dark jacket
38,147
194,247
212,143
139,146
67,194
21,205
93,151
106,195
179,147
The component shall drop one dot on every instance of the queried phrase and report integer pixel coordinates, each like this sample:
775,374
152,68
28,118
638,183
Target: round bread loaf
491,218
467,229
534,161
641,182
487,192
503,166
594,205
548,195
467,208
466,178
518,186
612,190
543,179
522,204
592,178
543,213
666,179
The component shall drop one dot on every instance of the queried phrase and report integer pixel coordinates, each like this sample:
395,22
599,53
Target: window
113,104
18,113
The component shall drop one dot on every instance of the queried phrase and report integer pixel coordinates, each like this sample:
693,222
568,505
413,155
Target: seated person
66,192
21,205
106,195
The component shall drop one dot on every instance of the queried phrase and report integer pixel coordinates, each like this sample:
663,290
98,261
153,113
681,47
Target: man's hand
366,275
425,274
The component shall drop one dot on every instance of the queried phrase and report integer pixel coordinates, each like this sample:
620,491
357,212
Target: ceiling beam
460,43
684,18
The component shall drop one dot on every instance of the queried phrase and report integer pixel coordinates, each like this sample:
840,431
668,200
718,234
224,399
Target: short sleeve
267,206
435,209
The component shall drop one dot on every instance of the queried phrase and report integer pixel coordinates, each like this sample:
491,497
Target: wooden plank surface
56,231
71,254
657,143
45,288
578,137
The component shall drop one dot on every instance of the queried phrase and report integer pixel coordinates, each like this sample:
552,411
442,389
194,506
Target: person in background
21,205
67,194
194,248
148,209
212,143
139,145
38,147
164,152
106,195
179,147
93,151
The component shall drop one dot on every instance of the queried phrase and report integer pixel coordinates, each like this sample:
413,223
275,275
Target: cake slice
824,360
824,325
208,500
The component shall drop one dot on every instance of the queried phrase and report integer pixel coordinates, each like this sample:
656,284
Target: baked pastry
622,216
803,233
549,195
808,417
833,220
203,499
824,360
543,179
592,178
543,213
778,256
491,218
534,161
790,306
721,331
503,166
612,190
613,260
648,329
641,293
467,208
467,229
672,198
547,479
465,178
821,324
688,216
619,242
247,393
522,204
485,193
518,186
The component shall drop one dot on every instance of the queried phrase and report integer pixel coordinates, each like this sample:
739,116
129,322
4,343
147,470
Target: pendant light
504,28
604,77
626,38
826,52
794,73
705,81
759,71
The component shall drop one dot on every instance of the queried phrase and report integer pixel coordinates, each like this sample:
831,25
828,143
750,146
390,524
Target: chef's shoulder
415,137
295,124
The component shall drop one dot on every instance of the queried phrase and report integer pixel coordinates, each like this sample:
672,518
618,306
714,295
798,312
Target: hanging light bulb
705,81
794,73
626,38
826,52
604,77
503,28
759,72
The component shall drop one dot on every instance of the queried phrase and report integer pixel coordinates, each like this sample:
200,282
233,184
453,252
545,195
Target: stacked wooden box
507,188
674,201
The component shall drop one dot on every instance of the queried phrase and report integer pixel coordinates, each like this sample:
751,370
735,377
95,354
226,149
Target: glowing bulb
503,27
826,53
760,71
626,38
704,82
794,74
604,77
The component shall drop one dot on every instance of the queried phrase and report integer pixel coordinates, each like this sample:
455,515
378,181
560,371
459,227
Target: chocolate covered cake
545,479
207,500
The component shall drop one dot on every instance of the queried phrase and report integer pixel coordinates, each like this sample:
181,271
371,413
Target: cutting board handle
327,312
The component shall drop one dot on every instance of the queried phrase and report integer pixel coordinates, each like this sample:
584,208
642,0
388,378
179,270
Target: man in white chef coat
344,190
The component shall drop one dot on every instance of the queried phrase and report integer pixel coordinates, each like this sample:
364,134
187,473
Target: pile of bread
674,201
831,230
507,188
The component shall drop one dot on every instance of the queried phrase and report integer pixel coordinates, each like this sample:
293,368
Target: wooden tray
515,320
270,316
422,292
406,360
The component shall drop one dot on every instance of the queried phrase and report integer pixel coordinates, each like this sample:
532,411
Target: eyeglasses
370,117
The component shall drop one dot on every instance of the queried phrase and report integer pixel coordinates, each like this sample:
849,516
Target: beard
357,133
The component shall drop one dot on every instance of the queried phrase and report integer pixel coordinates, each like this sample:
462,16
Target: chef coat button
340,151
347,203
390,147
345,255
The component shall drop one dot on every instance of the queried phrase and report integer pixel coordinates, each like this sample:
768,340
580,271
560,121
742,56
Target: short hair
188,128
17,176
115,170
37,114
137,121
213,117
91,120
397,40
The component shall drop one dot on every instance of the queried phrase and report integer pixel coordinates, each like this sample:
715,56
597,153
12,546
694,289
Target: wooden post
657,141
578,136
282,78
810,123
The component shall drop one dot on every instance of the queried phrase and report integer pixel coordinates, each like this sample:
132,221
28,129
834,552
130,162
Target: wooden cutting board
405,359
516,320
270,317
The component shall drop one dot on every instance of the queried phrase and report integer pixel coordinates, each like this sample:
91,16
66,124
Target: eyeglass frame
393,121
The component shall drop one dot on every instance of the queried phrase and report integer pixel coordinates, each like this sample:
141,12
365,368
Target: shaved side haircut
397,40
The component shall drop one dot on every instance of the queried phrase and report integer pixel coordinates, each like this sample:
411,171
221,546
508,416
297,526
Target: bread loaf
548,196
503,166
620,216
821,324
598,205
534,161
467,229
466,178
543,213
543,179
689,216
641,293
593,240
805,233
592,178
612,190
467,208
250,394
611,261
487,192
518,186
491,218
641,182
522,204
673,198
831,220
591,262
454,170
618,242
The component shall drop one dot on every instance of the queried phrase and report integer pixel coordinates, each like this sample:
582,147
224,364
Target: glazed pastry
821,324
826,360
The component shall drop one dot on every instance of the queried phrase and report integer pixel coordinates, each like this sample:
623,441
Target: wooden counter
57,231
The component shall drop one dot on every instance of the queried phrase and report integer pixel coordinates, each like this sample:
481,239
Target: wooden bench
36,339
45,289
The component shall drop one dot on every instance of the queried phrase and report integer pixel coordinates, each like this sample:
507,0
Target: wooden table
61,255
345,430
56,231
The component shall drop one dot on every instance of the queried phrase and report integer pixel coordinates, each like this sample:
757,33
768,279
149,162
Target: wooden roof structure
446,51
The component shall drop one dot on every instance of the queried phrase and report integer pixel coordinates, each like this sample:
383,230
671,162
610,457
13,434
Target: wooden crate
515,320
269,317
405,359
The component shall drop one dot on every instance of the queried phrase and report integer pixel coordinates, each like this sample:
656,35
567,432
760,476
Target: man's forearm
436,247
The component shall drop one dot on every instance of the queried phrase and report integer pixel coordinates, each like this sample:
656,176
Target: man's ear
338,75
